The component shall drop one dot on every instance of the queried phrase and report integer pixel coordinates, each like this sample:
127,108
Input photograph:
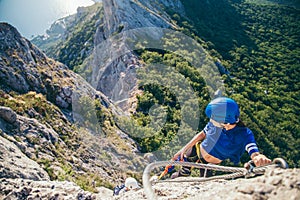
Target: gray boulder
8,114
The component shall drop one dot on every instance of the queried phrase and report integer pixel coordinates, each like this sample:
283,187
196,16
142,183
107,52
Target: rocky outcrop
14,164
8,114
275,184
24,68
60,148
136,14
39,100
115,73
17,189
111,66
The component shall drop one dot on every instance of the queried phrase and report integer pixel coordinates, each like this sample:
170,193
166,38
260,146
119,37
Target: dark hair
241,124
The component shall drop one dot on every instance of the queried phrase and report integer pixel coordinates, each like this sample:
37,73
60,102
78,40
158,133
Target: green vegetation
36,106
172,87
259,45
79,41
71,142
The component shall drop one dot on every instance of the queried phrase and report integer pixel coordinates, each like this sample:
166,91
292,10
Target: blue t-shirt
230,144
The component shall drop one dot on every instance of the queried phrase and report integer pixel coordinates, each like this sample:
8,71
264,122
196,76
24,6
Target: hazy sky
33,17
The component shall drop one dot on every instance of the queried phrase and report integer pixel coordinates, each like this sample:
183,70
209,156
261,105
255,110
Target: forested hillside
258,44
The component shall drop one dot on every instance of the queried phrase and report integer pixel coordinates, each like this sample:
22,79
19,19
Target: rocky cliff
115,74
274,185
109,64
49,122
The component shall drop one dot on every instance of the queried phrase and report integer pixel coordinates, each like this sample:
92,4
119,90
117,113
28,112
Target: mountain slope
110,18
52,115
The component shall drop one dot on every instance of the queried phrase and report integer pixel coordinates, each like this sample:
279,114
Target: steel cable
236,172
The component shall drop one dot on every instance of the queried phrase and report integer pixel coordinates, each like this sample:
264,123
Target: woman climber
224,137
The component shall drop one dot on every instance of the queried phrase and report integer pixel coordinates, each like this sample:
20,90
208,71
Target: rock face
39,98
137,14
110,65
275,184
8,114
15,164
17,189
24,68
115,73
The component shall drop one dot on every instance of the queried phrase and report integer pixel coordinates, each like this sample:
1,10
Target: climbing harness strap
198,151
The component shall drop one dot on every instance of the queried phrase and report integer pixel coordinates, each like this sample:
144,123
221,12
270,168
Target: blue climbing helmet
223,110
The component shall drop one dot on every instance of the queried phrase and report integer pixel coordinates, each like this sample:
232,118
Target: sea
34,17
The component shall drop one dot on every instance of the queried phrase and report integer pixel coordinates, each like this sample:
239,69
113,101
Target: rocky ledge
35,190
275,184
